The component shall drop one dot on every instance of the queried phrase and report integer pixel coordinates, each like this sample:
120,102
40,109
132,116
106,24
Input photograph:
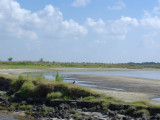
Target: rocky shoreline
72,110
67,110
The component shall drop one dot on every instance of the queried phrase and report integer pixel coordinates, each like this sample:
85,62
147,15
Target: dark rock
4,102
23,103
117,107
40,100
4,84
111,113
73,104
30,100
85,109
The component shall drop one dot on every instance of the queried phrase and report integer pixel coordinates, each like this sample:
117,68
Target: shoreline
79,102
136,88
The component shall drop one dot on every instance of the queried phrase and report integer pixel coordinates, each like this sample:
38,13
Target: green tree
10,59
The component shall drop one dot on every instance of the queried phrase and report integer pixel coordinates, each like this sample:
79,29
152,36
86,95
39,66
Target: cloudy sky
110,31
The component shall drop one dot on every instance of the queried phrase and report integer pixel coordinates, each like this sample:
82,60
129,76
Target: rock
39,100
145,116
30,100
73,104
85,109
4,102
111,113
23,102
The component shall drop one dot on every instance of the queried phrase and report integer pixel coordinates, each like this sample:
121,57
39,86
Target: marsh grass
142,103
54,95
40,87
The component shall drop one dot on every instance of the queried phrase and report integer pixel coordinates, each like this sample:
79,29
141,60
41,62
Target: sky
108,31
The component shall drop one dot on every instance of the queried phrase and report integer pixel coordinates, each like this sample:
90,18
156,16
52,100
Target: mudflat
133,88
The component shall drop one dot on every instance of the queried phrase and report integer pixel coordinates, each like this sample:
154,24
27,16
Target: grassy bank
25,87
30,64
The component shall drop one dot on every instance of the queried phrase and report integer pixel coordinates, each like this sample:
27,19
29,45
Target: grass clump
141,112
59,78
20,77
54,95
25,107
142,103
27,89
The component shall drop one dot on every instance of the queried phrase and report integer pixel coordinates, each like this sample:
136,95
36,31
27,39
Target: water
91,84
139,74
6,117
156,99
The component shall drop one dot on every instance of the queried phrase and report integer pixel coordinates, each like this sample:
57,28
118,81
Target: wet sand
135,88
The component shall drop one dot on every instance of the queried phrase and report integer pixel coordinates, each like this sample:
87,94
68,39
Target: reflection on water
139,74
156,99
6,117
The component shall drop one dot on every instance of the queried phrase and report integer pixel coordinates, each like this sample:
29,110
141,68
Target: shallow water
139,74
6,117
91,84
156,99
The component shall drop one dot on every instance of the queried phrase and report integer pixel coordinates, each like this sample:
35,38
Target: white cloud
118,6
115,29
18,23
93,23
156,9
78,3
150,21
129,20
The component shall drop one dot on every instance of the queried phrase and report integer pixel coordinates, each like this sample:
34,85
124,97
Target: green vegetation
10,59
44,64
59,78
32,87
54,95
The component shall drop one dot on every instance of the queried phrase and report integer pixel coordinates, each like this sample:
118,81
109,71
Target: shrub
20,77
54,95
27,89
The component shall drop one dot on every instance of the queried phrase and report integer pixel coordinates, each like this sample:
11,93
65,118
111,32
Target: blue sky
110,31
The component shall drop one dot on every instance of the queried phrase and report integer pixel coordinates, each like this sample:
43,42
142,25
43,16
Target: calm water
139,74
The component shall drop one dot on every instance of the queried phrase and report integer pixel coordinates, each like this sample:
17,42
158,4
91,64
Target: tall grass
59,78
